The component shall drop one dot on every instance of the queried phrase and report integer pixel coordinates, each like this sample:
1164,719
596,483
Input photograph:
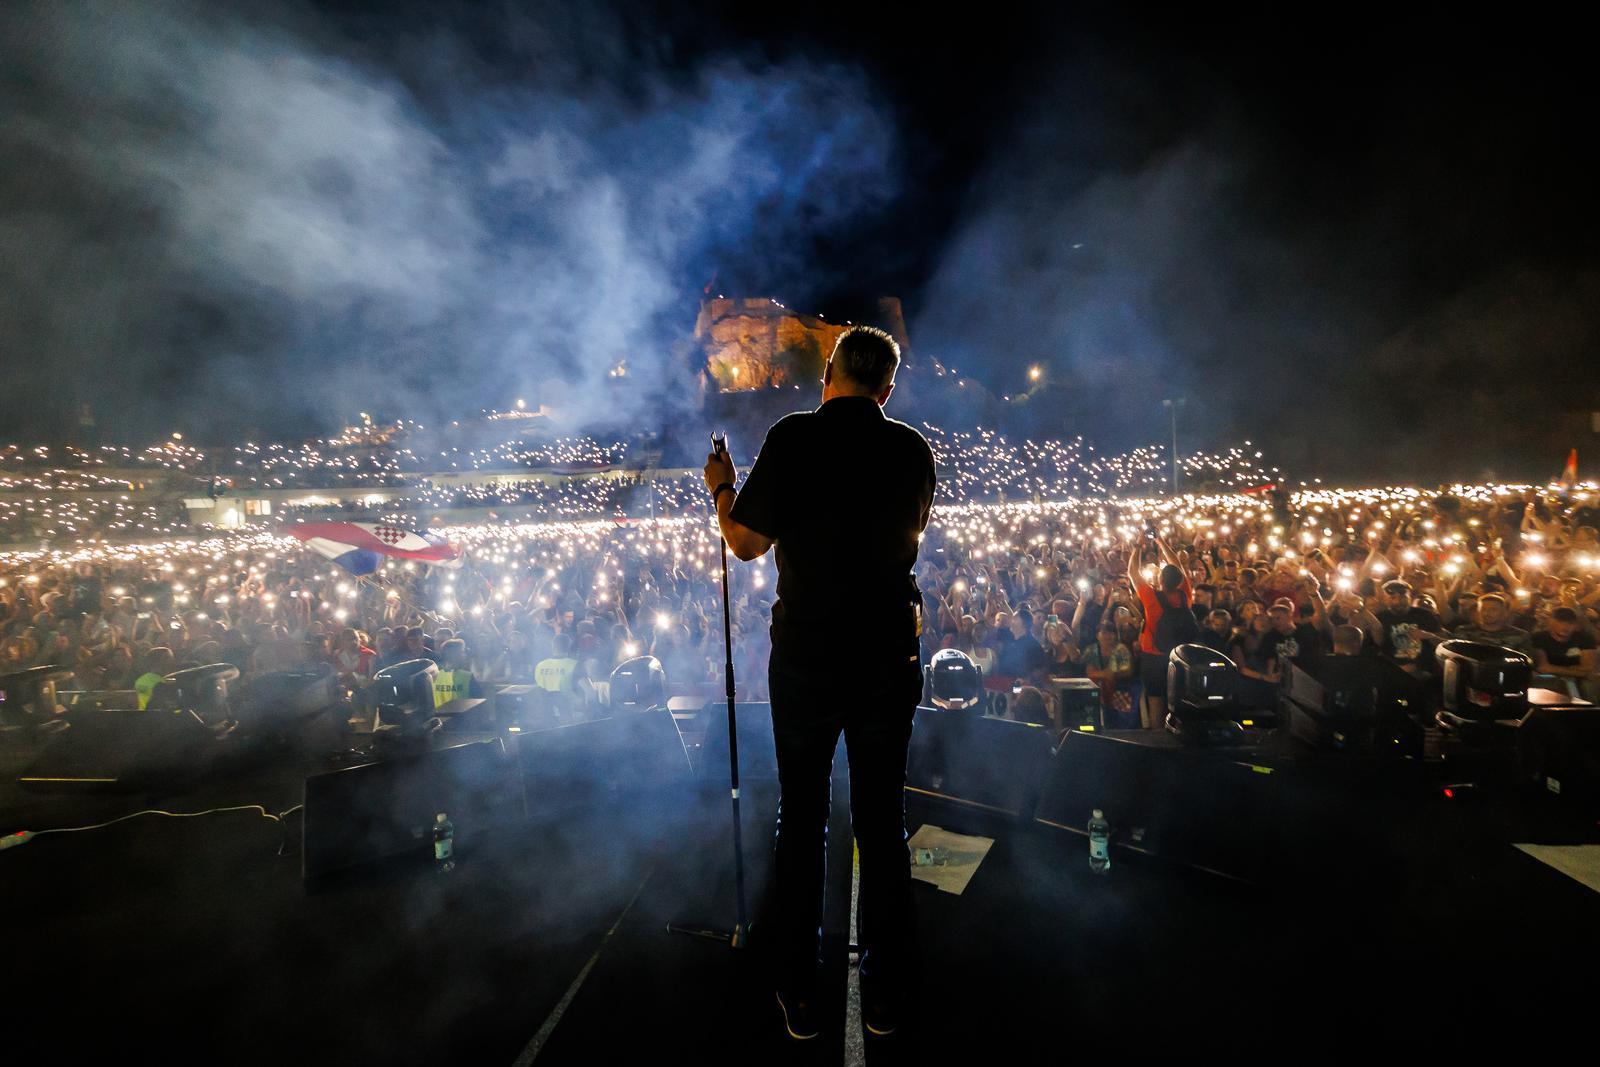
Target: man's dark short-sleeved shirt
1562,653
845,494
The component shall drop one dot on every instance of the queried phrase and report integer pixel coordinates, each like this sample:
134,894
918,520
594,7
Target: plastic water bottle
1099,843
444,844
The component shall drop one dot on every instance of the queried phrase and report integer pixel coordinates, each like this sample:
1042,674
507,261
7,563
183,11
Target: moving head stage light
28,698
1201,696
955,681
1483,684
638,683
402,697
201,691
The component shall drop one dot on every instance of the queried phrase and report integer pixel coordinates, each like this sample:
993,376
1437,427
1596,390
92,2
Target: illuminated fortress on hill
757,343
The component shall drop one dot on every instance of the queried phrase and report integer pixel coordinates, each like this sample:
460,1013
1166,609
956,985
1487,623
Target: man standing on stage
844,493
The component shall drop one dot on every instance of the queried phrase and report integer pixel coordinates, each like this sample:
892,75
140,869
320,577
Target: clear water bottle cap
1098,813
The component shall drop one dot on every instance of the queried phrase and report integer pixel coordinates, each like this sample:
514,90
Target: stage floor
195,939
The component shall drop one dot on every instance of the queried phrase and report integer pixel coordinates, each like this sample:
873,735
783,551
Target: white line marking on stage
855,1052
531,1053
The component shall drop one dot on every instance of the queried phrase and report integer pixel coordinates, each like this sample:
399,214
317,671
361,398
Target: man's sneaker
798,1015
880,1015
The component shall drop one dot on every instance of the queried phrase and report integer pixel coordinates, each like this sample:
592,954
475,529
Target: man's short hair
1346,640
867,357
1564,614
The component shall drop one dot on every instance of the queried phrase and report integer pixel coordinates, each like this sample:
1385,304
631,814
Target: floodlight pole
1173,406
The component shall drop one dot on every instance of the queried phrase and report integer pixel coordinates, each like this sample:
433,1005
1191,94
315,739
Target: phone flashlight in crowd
1083,585
1344,584
663,620
960,587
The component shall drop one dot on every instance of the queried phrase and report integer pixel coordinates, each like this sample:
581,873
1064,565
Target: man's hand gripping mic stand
734,938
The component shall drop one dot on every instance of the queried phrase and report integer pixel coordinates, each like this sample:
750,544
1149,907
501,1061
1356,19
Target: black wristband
715,493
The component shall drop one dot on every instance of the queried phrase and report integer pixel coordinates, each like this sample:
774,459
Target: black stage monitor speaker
1336,706
972,760
1558,748
124,748
1202,808
758,753
279,700
362,814
588,763
1079,702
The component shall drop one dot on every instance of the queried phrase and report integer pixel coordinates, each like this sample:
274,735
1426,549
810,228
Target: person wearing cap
1564,653
1291,637
1402,626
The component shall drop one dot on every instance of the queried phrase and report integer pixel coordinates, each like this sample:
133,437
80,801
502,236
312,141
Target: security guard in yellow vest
454,680
555,674
158,663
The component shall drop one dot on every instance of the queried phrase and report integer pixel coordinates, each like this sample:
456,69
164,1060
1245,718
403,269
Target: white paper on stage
1579,862
965,853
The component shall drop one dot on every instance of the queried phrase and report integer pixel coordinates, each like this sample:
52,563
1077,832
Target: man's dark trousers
812,703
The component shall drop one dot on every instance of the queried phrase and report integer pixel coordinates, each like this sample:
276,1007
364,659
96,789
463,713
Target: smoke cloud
265,214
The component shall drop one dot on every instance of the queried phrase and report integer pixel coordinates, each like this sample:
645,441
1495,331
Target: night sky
1362,239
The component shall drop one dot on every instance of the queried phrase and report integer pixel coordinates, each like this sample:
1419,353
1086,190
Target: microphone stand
734,938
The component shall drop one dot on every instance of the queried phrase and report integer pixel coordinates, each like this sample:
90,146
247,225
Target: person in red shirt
1175,594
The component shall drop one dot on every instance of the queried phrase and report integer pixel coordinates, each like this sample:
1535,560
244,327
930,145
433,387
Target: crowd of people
627,494
63,496
1032,594
1030,590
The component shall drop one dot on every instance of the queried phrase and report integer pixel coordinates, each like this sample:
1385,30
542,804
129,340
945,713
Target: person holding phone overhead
1157,640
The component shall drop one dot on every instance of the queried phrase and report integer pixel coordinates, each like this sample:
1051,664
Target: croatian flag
359,547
